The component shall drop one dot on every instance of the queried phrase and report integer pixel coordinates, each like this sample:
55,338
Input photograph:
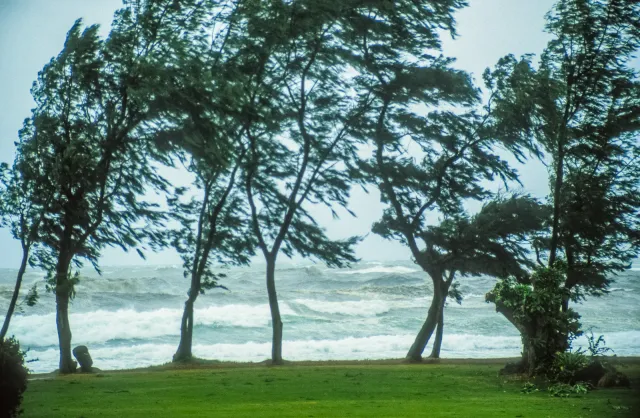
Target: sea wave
367,348
394,280
127,324
359,307
380,269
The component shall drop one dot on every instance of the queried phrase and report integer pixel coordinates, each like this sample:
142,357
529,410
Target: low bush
13,377
563,390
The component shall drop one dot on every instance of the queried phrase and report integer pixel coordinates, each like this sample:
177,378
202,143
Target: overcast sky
33,31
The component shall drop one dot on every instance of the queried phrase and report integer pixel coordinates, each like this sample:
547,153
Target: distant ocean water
130,316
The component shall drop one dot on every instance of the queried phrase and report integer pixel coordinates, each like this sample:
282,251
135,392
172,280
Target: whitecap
626,343
350,348
127,324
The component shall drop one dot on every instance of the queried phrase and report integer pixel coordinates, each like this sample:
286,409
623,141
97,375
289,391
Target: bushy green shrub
567,364
534,307
13,377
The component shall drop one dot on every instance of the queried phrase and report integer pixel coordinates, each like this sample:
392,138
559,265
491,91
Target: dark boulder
614,379
81,353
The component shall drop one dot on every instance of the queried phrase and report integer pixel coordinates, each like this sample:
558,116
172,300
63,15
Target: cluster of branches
275,106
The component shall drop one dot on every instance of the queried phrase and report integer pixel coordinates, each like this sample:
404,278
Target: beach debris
81,353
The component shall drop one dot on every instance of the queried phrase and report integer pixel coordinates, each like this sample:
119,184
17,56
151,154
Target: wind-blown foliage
582,107
214,225
95,106
432,148
24,200
295,113
494,242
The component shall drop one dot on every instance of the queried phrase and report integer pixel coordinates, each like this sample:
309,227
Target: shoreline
203,364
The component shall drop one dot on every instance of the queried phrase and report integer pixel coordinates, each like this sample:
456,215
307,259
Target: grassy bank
448,389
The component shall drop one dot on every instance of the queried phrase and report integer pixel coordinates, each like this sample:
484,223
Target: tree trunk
422,339
528,351
276,320
67,365
184,352
437,343
16,293
557,196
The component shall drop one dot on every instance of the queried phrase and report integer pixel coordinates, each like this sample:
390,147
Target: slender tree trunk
276,320
16,292
67,364
557,197
184,352
422,339
437,343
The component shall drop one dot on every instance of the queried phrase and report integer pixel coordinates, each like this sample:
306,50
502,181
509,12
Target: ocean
130,316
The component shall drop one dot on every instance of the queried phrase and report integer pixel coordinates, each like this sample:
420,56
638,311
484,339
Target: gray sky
33,31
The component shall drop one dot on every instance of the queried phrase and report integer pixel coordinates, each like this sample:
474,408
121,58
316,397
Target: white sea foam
127,324
380,269
375,347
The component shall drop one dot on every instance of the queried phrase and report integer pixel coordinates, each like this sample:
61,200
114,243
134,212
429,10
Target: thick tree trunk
422,339
528,353
16,293
67,365
437,343
529,358
276,320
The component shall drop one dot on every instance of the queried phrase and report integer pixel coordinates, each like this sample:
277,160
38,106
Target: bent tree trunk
437,343
184,352
276,320
422,339
63,285
16,293
528,361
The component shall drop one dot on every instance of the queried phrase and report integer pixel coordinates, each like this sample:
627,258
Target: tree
420,102
25,196
218,231
581,105
295,116
493,242
22,205
198,130
535,309
213,225
95,107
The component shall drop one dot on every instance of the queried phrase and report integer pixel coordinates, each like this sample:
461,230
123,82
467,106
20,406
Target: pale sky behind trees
33,31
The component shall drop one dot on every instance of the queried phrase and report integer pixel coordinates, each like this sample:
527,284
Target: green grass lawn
428,390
